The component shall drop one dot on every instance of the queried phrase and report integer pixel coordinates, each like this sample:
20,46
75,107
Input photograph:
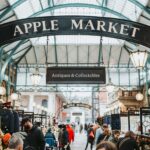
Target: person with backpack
90,137
50,139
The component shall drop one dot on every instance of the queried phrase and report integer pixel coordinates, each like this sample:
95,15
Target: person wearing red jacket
71,133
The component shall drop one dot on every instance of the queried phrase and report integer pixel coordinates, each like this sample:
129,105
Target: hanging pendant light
139,96
36,77
139,58
110,86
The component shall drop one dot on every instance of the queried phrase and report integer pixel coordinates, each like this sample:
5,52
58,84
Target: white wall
73,117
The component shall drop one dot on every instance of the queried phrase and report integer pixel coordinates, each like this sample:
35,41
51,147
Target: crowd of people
101,137
104,139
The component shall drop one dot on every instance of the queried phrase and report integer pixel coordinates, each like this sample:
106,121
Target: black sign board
75,25
77,105
75,75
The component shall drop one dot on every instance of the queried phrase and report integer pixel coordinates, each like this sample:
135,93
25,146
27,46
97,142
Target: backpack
91,135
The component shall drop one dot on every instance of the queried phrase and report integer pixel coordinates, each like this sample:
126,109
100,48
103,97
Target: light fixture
139,96
2,90
110,86
139,58
36,77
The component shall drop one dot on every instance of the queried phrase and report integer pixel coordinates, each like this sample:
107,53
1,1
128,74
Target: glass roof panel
13,1
35,4
74,11
24,10
143,2
57,2
132,11
30,7
76,39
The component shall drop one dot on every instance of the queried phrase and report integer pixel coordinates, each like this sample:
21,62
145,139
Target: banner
75,25
75,75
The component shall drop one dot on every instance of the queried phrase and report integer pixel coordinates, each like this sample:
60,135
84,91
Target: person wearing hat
5,140
35,138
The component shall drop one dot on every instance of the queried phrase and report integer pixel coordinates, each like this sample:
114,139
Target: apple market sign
75,25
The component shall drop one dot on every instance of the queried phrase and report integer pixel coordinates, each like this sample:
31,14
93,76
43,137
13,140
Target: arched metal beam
80,5
59,7
138,4
23,55
11,8
19,2
9,59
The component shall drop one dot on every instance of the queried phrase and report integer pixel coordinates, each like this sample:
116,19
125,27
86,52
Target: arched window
45,103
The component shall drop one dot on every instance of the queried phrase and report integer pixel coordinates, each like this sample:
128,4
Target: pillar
51,103
31,100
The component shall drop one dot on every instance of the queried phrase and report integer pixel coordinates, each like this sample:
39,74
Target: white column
31,100
51,103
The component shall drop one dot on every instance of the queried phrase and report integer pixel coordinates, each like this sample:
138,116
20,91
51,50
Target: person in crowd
44,130
85,127
73,126
98,132
65,138
5,140
50,139
106,145
128,142
60,136
70,133
81,128
114,137
105,135
35,138
15,143
90,137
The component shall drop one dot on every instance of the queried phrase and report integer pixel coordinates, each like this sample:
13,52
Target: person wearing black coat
35,139
50,138
7,121
65,139
104,136
128,142
90,139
